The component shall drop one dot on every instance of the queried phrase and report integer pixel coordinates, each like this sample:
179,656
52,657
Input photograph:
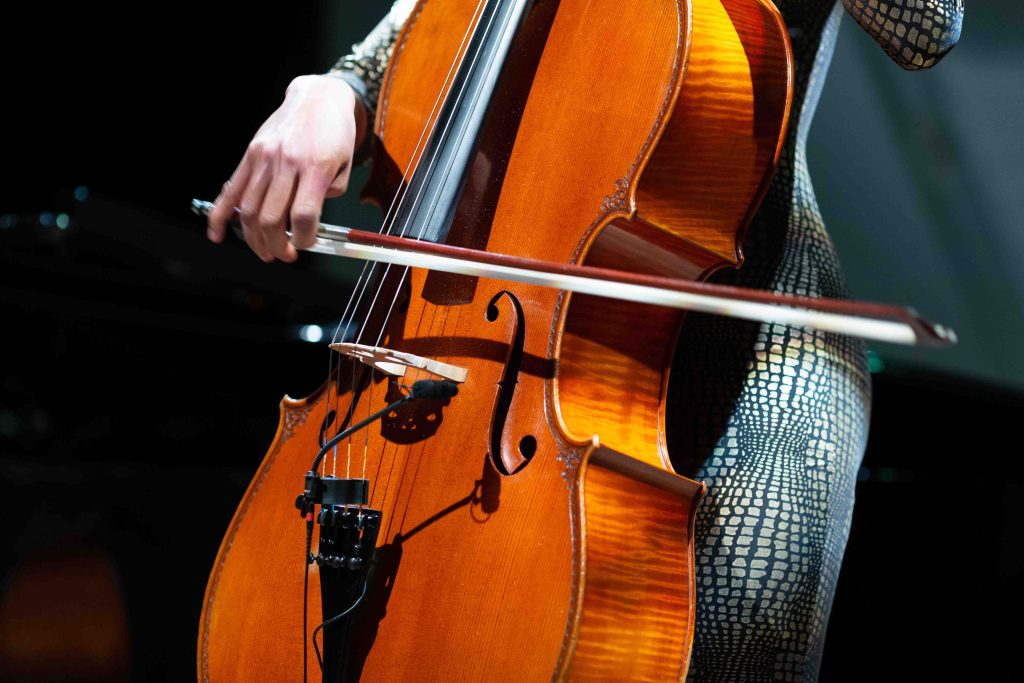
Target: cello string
416,200
360,286
411,460
366,432
357,297
392,215
397,199
334,376
419,196
414,460
396,208
368,271
399,196
447,174
431,164
366,446
383,456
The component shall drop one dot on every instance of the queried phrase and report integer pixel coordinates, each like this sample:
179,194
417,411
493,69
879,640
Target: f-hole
506,457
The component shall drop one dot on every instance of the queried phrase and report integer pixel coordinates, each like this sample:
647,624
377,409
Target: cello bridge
395,363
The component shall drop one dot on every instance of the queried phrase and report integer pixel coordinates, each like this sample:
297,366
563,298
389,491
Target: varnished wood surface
714,162
638,585
481,575
262,555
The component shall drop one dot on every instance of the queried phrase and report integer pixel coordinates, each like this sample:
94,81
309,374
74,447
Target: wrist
336,84
321,85
363,110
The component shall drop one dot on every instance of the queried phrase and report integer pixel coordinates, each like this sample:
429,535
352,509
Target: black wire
309,539
413,395
319,659
420,389
308,560
356,427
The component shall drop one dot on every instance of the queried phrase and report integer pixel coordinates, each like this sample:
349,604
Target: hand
299,156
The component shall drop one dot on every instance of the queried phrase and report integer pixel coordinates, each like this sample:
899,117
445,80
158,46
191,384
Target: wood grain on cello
531,527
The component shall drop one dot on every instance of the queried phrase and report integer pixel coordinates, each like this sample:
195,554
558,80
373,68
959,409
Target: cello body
532,527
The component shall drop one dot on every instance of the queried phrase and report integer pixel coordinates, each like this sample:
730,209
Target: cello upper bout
718,152
693,201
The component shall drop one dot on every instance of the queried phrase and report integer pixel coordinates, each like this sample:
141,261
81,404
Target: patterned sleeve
364,67
915,33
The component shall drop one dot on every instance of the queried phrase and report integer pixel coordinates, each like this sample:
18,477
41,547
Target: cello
530,527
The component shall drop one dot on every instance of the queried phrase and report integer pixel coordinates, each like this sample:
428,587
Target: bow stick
879,322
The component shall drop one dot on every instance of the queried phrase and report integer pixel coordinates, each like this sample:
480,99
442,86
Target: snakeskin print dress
772,418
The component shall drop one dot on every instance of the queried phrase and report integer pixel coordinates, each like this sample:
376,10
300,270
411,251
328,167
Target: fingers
301,155
340,183
308,204
274,210
224,207
249,208
276,188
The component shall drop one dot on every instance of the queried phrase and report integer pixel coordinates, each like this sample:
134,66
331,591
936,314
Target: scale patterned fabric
772,418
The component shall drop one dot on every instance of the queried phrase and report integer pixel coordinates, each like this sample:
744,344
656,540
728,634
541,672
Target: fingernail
211,235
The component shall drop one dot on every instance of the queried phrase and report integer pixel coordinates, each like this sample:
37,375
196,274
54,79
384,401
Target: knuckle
250,239
325,164
304,216
303,240
269,221
247,214
271,150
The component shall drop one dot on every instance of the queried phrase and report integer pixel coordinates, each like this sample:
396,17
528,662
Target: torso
774,420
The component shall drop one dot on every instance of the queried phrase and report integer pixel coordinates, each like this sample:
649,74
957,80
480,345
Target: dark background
142,366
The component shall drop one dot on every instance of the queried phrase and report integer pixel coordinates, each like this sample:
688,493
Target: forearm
915,33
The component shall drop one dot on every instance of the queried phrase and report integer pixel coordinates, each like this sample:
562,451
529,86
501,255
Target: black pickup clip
331,491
